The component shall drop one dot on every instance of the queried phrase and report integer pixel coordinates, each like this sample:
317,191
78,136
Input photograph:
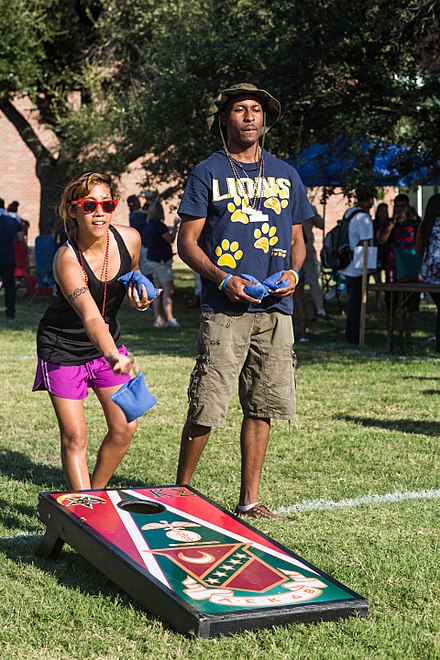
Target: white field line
311,505
388,498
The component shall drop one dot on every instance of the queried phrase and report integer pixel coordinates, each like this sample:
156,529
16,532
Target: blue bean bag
270,282
256,289
136,278
134,397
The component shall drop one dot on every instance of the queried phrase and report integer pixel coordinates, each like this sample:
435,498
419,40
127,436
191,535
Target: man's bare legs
254,439
193,442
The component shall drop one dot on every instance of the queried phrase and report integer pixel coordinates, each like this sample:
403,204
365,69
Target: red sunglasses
90,205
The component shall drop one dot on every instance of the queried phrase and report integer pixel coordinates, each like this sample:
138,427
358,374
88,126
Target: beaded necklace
258,185
104,270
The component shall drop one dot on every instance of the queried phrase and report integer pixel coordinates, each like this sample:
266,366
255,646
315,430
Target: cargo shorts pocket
280,386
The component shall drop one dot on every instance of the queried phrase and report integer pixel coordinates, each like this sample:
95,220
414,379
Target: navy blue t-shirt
138,219
158,249
9,228
237,240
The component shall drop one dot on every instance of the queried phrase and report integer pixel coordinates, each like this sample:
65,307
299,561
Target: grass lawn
367,425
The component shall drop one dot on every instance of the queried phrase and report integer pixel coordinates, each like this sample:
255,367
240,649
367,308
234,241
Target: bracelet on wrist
297,275
143,309
224,282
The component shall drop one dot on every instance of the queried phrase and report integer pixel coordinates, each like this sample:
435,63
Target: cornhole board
190,562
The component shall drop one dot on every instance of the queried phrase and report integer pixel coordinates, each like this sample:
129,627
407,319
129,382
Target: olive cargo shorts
256,350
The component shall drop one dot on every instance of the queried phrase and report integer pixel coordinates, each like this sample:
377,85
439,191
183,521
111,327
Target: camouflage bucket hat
270,104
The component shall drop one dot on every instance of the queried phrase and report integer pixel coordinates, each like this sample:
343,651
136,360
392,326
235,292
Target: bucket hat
270,104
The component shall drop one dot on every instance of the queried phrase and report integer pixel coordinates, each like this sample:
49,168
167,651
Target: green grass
367,423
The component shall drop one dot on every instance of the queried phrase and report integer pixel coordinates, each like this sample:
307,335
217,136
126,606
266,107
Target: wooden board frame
68,519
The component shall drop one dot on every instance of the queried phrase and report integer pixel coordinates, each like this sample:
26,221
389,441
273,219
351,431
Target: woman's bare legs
73,434
116,442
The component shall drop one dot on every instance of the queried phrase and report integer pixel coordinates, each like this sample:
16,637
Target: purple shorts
73,382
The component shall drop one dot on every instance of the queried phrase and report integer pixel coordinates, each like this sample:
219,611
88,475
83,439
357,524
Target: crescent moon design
205,558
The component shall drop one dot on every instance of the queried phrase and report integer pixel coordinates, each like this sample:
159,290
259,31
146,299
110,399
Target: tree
338,66
46,46
118,79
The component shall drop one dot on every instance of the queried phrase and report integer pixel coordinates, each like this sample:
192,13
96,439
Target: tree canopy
118,79
337,66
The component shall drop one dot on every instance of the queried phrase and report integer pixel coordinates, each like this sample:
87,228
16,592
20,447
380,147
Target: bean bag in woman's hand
137,279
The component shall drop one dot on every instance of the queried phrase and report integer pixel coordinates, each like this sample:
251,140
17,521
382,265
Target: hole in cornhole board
147,508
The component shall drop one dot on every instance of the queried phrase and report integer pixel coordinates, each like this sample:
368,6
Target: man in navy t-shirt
10,231
241,223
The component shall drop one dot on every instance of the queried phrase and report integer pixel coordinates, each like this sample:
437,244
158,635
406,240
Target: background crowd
408,249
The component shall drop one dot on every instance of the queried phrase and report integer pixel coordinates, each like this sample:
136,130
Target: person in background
21,271
12,211
10,232
360,229
311,269
300,307
381,217
79,343
399,232
428,245
149,195
309,274
138,219
158,238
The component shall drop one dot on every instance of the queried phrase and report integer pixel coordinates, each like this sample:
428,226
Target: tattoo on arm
76,293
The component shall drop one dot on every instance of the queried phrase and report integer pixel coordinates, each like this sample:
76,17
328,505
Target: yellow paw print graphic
237,214
228,253
273,203
265,237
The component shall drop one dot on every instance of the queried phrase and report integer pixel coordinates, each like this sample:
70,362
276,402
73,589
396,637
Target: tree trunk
51,172
53,177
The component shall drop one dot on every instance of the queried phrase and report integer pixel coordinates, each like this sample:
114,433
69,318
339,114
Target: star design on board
82,499
225,567
240,555
234,561
212,581
220,574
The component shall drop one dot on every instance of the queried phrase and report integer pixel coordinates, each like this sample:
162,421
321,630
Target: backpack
336,253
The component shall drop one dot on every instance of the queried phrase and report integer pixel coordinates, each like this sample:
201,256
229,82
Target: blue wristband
295,272
224,282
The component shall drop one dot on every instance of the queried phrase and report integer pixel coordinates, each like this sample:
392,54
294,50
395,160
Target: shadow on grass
18,516
412,377
19,467
71,571
401,425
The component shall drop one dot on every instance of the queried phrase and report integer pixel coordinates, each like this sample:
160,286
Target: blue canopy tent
331,164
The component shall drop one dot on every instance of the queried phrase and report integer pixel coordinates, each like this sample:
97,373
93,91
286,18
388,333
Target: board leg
50,546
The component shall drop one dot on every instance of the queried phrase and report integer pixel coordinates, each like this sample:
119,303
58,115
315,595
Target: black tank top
61,337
